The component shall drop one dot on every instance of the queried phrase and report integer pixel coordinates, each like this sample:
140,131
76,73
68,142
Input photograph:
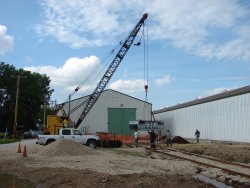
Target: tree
32,90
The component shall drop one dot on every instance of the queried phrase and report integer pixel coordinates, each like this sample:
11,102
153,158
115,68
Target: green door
118,119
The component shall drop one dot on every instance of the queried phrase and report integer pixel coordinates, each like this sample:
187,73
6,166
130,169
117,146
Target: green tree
33,89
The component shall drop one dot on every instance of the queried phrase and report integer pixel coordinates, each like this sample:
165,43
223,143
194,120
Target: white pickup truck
70,134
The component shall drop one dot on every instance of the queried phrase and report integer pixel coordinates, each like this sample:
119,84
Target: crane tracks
231,168
230,173
215,159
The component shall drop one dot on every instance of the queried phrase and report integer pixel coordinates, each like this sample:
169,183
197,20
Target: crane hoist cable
104,62
103,66
96,68
108,56
106,59
87,81
145,63
92,83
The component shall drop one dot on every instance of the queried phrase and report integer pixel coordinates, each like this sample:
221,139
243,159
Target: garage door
118,119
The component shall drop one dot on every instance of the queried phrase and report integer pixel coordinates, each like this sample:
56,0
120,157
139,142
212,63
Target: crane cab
54,123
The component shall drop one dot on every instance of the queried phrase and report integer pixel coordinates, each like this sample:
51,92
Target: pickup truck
70,134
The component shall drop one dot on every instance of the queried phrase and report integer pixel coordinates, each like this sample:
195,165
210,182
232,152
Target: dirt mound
179,140
64,148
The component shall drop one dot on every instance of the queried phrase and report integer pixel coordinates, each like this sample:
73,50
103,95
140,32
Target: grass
7,141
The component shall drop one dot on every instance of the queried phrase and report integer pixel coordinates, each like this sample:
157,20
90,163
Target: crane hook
146,88
137,44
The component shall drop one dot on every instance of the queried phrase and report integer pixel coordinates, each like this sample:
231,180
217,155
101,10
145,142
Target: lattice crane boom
111,69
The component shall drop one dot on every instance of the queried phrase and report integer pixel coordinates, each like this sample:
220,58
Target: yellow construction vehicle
55,122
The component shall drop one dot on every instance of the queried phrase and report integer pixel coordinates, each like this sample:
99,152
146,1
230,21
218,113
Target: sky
190,48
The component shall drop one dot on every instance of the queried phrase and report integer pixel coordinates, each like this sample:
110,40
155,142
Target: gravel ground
106,160
72,165
68,164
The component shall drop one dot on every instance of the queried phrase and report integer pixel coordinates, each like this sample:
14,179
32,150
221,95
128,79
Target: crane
111,70
54,122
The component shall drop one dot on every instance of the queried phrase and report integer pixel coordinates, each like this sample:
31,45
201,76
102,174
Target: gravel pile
65,148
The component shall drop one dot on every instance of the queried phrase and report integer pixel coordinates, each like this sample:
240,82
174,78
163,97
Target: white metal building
225,117
111,113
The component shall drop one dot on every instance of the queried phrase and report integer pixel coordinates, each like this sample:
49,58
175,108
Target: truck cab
70,134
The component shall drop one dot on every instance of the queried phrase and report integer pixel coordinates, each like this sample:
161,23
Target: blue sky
195,48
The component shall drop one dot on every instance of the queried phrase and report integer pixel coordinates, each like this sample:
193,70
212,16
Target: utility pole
44,112
16,106
47,104
69,105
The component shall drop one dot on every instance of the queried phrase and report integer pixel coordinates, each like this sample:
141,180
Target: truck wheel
49,141
91,143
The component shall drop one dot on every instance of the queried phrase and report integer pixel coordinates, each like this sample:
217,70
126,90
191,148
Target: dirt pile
179,140
65,148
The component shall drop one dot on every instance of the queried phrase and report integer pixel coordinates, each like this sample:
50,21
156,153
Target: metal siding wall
225,119
97,119
248,117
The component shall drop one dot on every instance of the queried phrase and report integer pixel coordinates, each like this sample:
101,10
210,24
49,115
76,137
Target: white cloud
71,74
82,23
128,86
161,81
216,91
192,25
238,48
6,41
85,73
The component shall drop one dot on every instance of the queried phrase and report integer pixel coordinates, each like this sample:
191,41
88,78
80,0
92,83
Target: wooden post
69,105
16,106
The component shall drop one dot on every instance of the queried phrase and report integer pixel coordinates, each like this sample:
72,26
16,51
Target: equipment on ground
55,122
144,125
